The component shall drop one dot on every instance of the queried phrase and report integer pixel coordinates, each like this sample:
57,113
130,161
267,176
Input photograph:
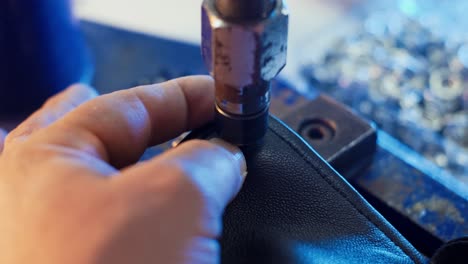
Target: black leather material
452,252
294,208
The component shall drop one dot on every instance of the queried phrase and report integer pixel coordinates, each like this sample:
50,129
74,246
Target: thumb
211,170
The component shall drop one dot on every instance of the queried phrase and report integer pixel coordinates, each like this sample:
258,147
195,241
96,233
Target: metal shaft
244,46
245,9
242,117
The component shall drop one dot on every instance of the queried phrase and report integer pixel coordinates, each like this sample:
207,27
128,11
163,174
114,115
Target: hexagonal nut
242,53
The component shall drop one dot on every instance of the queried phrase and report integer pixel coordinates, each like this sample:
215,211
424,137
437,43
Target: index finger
118,127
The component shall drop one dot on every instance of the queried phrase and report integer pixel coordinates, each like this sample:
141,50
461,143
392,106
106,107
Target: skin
72,192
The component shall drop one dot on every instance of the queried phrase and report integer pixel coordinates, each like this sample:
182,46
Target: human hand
70,191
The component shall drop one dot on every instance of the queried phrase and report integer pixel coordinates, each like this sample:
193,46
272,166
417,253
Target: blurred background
180,20
400,63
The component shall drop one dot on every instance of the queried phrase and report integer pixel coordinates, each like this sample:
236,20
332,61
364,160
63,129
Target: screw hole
317,129
316,133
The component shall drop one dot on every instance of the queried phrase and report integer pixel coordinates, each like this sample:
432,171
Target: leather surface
294,208
452,252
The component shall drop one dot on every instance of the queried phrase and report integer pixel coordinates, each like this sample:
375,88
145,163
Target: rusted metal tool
244,45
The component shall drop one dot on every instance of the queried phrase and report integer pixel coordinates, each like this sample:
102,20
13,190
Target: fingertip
198,96
201,83
236,154
213,170
218,167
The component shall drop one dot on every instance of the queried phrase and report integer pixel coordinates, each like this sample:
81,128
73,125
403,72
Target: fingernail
178,140
236,153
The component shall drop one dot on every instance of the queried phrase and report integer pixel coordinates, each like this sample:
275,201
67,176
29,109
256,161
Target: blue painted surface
412,158
414,194
41,52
